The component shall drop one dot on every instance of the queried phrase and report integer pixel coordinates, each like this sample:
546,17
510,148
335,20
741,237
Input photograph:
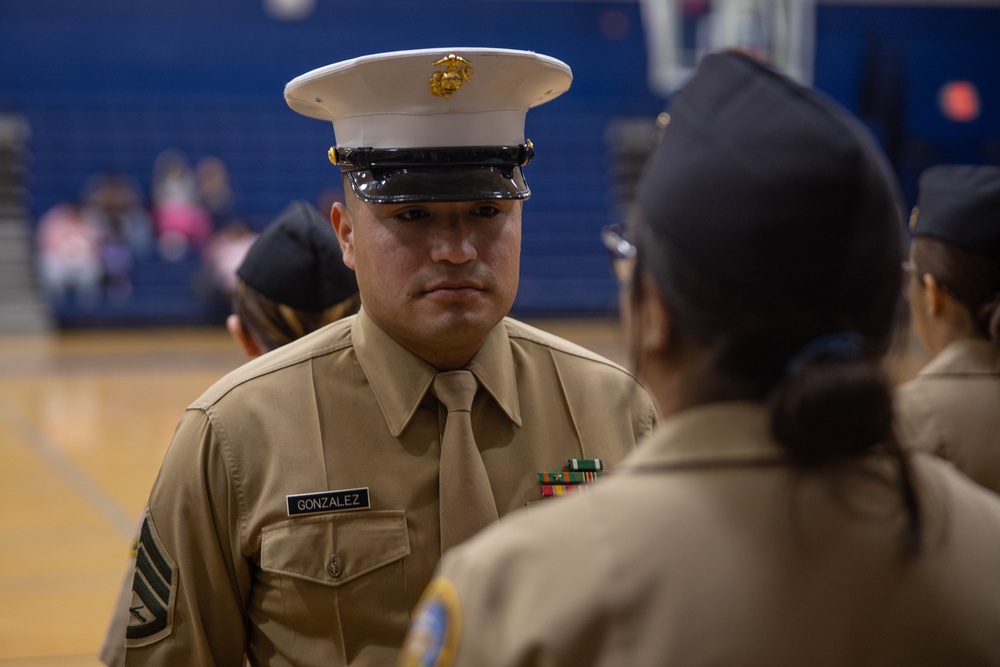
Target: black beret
769,187
960,204
296,261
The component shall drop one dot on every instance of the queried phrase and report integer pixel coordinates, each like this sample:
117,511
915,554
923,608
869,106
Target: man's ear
343,225
934,295
243,337
647,320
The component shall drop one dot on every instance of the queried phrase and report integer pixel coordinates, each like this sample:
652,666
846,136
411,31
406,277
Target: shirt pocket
335,549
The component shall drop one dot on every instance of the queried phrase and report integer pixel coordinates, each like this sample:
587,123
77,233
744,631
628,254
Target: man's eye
486,211
411,215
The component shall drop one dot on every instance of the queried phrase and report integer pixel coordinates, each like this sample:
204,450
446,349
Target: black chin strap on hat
843,345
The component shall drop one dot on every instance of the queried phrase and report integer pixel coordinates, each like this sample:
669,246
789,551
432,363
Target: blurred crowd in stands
89,249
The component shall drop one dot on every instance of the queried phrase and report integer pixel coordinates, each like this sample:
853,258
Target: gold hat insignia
457,72
914,214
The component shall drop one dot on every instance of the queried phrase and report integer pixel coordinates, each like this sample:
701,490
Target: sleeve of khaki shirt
916,419
193,511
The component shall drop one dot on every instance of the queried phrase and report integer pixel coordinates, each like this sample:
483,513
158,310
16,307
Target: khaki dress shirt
228,570
705,548
952,409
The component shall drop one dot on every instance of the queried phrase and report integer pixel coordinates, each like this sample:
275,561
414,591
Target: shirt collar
493,366
715,433
400,379
966,357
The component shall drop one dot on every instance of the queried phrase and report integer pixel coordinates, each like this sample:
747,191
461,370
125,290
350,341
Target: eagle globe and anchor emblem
458,71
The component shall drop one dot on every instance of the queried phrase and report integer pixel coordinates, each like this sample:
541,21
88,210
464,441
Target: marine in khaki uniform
770,519
306,498
951,408
291,282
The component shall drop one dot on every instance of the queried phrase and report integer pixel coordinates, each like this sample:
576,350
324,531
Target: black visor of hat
441,184
385,176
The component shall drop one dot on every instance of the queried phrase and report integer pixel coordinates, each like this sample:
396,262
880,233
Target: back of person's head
769,221
956,238
293,279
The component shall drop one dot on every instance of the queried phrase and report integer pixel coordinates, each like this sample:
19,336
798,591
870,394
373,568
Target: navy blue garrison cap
296,261
769,187
960,204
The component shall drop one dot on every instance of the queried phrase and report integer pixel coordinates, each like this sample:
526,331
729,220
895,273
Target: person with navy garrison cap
292,282
307,497
770,519
953,289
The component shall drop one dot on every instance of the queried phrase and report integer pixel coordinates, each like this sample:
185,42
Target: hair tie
842,345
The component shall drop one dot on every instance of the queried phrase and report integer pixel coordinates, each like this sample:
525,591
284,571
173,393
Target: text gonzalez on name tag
328,501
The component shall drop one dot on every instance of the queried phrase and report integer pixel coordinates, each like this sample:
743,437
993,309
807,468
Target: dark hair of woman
274,324
828,404
970,278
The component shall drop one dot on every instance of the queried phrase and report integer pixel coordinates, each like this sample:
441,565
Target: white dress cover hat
431,124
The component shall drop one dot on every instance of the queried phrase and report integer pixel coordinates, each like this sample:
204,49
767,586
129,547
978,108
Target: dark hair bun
830,409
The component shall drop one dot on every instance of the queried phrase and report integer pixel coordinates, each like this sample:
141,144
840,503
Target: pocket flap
335,548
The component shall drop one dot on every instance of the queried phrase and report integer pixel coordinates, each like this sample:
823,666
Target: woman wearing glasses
952,407
769,519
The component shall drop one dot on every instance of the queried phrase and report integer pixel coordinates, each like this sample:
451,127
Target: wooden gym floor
85,418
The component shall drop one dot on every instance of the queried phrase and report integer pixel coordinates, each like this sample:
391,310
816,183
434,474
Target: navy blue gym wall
888,65
107,85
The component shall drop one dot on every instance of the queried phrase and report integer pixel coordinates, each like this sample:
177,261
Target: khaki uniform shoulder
944,487
517,330
329,339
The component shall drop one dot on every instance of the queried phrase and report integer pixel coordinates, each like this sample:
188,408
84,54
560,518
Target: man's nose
452,242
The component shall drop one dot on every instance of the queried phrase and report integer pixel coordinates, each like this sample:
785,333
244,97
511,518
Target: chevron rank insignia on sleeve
154,589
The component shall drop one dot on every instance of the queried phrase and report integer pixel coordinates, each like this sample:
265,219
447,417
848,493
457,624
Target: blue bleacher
163,294
107,86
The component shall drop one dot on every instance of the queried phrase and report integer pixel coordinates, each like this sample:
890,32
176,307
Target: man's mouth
453,288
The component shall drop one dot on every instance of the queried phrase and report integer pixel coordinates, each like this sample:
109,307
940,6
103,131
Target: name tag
328,501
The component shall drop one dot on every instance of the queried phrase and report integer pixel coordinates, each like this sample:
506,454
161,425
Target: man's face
434,276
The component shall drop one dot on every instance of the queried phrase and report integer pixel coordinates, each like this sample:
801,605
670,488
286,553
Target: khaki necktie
465,495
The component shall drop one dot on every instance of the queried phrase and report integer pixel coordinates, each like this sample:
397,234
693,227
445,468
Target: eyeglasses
621,252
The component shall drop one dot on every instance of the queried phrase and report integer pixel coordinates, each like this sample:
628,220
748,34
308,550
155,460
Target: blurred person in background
215,193
291,282
216,280
231,237
770,519
952,407
69,255
114,199
182,224
126,230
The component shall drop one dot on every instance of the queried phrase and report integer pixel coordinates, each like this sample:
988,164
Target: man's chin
456,325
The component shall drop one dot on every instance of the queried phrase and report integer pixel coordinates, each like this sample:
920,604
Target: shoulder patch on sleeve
154,590
437,625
